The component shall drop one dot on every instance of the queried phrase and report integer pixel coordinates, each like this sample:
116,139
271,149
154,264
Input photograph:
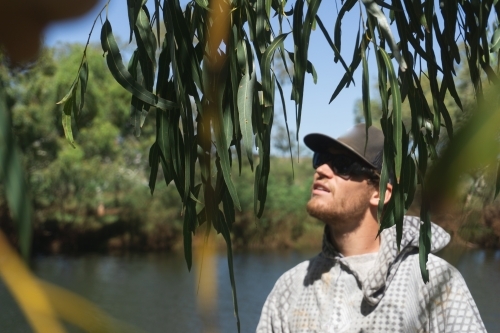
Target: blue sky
318,116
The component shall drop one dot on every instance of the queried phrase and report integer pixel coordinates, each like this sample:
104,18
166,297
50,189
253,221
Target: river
156,293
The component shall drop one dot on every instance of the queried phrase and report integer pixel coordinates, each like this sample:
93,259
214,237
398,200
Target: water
156,293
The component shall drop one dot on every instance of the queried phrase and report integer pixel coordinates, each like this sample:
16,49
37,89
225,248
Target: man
360,282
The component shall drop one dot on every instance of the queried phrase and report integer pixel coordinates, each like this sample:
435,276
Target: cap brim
321,143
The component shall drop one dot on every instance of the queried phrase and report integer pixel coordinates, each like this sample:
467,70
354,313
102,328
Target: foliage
100,189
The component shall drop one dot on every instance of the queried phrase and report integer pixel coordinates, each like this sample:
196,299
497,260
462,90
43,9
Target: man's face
337,200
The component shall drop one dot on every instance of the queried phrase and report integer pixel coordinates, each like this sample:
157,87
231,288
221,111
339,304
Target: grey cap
354,142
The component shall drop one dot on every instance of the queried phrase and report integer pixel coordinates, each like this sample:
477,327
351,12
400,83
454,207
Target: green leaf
222,150
157,17
265,69
245,104
309,68
495,41
387,162
234,75
154,161
189,218
122,76
203,4
145,36
163,68
187,58
133,6
301,55
66,116
162,137
83,76
334,48
227,119
261,27
365,88
228,206
13,178
356,59
424,247
132,64
283,105
251,18
397,192
387,218
396,115
414,12
410,180
337,32
227,237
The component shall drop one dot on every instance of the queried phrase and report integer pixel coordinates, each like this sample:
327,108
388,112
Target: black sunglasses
343,166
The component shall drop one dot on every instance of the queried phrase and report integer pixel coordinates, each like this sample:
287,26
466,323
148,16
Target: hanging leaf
302,47
396,115
309,68
495,41
283,104
334,48
356,59
133,6
337,32
13,178
265,69
365,88
154,161
145,36
225,229
122,76
245,104
83,76
424,247
68,109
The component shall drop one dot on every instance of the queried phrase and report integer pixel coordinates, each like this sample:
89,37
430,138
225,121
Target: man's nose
324,170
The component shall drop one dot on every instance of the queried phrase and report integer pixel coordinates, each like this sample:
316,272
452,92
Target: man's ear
376,195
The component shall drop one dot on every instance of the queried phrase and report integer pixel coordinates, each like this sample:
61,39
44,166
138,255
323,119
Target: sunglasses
344,166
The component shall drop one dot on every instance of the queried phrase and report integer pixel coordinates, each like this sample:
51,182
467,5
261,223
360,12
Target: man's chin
316,209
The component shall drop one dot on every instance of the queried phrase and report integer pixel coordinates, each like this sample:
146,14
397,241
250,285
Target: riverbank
468,230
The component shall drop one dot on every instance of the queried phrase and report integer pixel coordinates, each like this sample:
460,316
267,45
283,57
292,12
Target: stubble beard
340,212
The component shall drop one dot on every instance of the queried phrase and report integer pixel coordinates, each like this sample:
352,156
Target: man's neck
355,241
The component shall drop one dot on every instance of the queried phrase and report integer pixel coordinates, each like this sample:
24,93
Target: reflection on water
481,271
156,292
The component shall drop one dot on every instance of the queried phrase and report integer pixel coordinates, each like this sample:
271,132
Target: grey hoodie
325,294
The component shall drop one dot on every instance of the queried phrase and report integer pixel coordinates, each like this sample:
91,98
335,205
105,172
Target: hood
389,258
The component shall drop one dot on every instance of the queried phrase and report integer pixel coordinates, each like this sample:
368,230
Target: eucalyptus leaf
338,23
396,115
145,36
265,69
154,161
245,104
495,40
83,76
334,48
225,229
66,116
13,179
424,247
122,76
